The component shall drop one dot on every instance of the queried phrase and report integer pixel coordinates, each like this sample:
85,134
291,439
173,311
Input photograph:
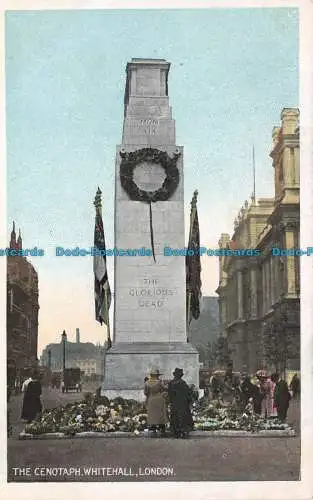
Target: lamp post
64,339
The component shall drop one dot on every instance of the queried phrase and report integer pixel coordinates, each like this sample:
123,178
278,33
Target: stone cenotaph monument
150,287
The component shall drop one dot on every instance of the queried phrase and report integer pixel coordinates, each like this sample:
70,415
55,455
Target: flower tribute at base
122,415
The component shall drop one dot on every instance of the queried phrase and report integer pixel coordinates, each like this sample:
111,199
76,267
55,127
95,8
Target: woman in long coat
31,403
180,398
282,398
154,391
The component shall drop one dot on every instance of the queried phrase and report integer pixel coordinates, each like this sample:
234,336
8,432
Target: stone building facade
22,314
259,296
84,355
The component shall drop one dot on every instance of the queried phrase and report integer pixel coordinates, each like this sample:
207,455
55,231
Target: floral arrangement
218,415
131,160
121,415
116,415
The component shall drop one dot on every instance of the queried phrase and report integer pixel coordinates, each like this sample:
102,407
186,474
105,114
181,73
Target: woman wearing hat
154,391
266,392
180,400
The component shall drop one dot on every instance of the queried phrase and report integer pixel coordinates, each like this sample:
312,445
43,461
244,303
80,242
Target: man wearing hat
180,400
154,391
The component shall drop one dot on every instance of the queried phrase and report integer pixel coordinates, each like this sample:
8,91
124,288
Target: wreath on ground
131,160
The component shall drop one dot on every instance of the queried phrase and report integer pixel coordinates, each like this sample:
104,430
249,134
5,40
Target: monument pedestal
150,293
128,364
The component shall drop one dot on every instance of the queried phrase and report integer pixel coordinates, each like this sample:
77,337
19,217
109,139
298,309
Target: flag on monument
102,287
193,265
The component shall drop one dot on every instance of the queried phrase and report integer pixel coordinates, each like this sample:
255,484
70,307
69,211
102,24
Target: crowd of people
269,395
170,401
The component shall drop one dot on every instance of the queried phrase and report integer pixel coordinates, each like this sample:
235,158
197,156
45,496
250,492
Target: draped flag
102,287
193,265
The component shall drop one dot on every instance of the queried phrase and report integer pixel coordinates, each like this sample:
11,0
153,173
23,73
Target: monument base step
126,366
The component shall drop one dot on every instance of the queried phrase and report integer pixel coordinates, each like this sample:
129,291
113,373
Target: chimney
77,336
289,118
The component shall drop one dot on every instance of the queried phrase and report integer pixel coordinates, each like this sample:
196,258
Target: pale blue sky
232,73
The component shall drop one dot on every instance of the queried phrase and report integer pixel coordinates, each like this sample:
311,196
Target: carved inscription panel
147,126
151,294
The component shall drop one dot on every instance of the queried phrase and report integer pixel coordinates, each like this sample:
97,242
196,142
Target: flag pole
192,218
253,166
98,206
188,313
107,317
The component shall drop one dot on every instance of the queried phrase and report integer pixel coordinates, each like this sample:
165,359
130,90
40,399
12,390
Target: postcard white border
257,490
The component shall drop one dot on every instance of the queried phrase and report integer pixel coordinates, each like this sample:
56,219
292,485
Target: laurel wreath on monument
132,160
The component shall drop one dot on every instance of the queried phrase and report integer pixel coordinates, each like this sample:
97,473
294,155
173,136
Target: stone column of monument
150,292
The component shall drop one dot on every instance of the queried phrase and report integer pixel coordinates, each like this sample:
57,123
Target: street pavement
145,459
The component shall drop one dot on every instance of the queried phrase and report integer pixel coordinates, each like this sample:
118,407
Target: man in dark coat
31,403
281,399
180,398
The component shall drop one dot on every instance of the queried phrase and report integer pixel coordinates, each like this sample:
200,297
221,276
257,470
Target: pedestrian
215,386
282,398
25,383
295,386
273,382
31,402
257,395
247,389
265,389
180,399
194,393
155,392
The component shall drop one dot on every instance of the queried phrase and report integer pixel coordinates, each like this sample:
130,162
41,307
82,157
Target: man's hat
178,371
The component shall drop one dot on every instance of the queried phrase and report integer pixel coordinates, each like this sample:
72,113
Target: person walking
282,398
180,398
31,403
155,393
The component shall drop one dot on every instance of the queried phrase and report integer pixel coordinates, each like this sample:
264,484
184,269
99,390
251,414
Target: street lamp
64,339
